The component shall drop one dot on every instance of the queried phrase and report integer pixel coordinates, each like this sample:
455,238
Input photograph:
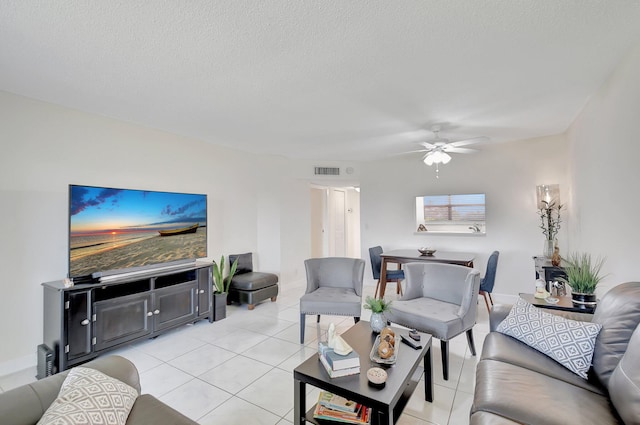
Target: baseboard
18,364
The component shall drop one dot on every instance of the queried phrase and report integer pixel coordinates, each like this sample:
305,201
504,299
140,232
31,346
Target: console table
564,303
86,320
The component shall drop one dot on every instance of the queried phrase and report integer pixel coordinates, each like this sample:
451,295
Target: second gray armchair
334,287
439,299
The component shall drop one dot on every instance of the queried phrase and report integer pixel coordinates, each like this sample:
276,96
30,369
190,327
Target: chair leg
302,318
444,351
472,346
399,285
490,297
377,287
318,319
356,319
484,295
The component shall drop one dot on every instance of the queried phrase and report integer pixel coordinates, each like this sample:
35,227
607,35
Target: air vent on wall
327,171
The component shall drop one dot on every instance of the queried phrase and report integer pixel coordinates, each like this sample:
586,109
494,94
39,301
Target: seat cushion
253,281
486,418
506,349
329,300
528,397
395,275
439,318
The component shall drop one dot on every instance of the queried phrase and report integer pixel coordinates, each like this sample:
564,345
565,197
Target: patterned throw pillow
90,397
569,342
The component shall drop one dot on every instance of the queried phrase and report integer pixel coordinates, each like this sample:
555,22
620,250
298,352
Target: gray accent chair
334,287
439,299
25,405
517,384
248,286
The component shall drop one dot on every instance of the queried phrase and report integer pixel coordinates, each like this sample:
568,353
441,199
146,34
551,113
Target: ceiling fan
437,149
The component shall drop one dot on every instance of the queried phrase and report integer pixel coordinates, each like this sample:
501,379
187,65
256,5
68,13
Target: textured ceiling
322,79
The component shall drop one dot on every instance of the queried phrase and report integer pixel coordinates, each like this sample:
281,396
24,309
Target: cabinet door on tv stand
175,305
204,294
78,324
122,319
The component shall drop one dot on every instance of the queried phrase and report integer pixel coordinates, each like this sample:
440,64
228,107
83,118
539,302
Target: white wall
253,205
604,153
506,173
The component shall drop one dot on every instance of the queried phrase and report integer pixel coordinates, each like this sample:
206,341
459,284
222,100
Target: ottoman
249,287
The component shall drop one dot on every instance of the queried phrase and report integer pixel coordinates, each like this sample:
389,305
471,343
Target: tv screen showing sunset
112,229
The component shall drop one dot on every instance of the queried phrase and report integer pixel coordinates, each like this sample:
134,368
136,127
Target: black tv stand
90,318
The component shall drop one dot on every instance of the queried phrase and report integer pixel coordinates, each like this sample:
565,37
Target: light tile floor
239,370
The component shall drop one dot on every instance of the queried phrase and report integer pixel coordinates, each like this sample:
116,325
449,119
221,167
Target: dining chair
392,275
439,299
334,287
489,279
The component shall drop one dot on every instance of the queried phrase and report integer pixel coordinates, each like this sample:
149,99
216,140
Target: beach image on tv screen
112,229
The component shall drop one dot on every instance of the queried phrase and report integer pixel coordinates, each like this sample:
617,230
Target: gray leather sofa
516,384
25,405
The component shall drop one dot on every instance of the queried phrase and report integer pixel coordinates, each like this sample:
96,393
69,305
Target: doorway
335,222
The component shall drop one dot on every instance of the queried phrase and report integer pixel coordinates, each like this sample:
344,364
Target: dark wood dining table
403,256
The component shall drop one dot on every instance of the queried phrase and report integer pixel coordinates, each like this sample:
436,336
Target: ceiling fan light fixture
437,157
428,159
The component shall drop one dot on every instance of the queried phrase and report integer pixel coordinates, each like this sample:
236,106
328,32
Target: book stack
336,364
335,408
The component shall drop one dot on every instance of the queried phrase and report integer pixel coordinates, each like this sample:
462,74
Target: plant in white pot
221,287
583,276
378,307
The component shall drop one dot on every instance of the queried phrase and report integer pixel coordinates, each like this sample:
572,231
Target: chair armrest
498,313
148,410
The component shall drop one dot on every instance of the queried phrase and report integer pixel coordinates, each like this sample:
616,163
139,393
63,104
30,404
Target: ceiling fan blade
410,152
427,145
459,150
468,141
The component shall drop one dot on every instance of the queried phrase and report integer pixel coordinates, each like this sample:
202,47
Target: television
114,231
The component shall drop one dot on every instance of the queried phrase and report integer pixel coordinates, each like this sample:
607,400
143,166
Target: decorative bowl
426,251
377,376
375,357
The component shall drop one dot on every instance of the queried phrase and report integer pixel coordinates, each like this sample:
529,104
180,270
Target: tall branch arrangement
550,219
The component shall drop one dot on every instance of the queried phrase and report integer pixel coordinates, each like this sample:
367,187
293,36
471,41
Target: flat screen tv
120,230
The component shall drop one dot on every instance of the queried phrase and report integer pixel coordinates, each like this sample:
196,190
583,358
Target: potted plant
583,276
378,307
221,288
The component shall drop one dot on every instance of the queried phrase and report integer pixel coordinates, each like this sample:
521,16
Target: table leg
385,417
299,402
428,376
383,277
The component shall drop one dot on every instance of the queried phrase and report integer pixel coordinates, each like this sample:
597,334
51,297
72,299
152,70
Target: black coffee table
388,402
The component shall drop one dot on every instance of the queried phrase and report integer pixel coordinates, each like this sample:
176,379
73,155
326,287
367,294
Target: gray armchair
334,287
439,299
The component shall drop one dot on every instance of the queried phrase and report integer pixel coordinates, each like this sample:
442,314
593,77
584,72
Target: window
451,213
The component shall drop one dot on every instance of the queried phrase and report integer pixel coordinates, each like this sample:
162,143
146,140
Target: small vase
548,248
377,322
